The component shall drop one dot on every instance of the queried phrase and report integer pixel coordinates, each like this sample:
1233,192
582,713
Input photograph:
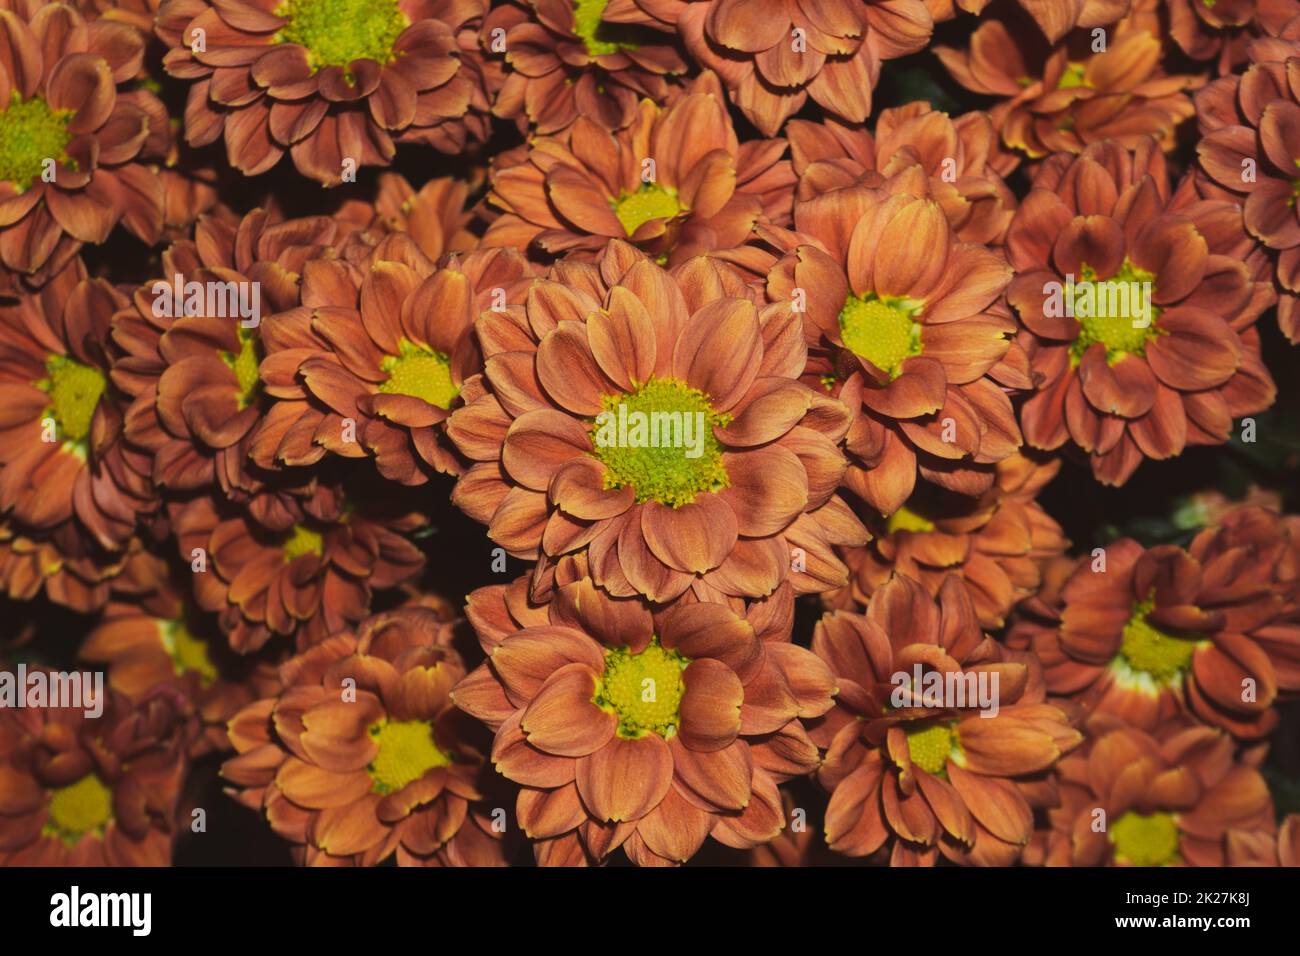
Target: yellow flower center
407,750
302,540
30,134
644,690
929,747
1149,650
1145,840
905,519
336,32
660,441
245,366
1072,78
188,653
1115,312
79,808
601,38
421,373
74,391
881,330
651,201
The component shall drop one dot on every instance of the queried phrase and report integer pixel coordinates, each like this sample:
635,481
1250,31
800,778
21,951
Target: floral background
365,584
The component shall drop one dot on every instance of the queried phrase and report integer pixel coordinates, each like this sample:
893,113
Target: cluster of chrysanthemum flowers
749,383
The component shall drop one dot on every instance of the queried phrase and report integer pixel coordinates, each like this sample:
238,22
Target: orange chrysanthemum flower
72,144
312,578
1251,130
190,361
433,216
1223,32
1261,848
91,791
374,359
70,569
773,55
362,755
335,83
1138,311
905,331
996,544
1063,97
62,459
960,159
947,765
649,729
676,182
741,468
564,61
1173,797
1210,631
150,636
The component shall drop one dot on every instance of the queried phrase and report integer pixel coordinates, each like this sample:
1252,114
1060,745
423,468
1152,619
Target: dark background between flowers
460,554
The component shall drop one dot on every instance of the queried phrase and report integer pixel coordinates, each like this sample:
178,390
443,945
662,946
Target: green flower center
336,32
660,441
407,750
644,690
881,330
651,201
1106,312
421,373
930,747
905,519
79,808
1145,840
31,133
601,38
1149,650
302,540
74,391
245,366
1072,78
189,654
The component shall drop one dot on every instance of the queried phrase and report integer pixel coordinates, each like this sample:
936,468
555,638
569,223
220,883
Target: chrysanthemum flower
773,55
719,506
61,454
374,359
150,636
193,377
996,544
1138,309
676,182
1166,798
906,332
1058,17
311,579
81,791
647,729
564,61
1262,848
331,82
434,216
959,157
924,774
1250,127
71,143
1207,632
363,755
70,569
919,774
1061,98
1223,32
